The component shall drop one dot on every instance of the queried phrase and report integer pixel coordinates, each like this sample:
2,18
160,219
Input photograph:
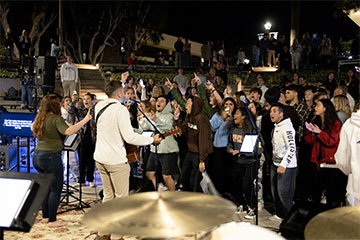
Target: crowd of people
307,53
300,124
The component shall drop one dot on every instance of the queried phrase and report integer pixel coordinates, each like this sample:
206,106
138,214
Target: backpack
12,94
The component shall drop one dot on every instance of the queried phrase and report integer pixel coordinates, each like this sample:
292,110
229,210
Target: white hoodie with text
284,146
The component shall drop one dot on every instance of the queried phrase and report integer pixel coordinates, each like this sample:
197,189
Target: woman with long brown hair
49,128
323,135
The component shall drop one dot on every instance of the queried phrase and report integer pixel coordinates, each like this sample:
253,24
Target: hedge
160,78
270,78
6,74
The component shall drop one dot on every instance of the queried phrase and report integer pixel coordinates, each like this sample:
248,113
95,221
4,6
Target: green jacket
201,91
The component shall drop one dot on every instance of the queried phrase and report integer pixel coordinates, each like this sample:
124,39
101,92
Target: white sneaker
92,184
240,209
162,188
275,218
250,214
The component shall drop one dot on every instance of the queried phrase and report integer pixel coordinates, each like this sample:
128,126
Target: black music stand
70,144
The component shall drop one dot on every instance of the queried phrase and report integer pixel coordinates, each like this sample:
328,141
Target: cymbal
338,223
233,231
159,214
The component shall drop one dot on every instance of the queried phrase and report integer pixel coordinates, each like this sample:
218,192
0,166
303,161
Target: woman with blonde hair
49,128
342,107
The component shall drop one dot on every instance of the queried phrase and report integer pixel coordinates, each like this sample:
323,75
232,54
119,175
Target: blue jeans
26,94
282,189
50,162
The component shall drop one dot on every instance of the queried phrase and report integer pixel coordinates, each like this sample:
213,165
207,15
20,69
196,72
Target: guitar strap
101,111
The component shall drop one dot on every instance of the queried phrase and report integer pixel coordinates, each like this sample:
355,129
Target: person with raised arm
49,128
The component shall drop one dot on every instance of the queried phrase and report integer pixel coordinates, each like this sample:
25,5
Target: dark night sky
238,22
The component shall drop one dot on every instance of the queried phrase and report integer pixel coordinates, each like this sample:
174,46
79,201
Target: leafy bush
6,74
2,50
160,78
310,76
270,78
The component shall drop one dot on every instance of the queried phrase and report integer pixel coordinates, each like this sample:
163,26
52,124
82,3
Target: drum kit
338,223
159,215
167,215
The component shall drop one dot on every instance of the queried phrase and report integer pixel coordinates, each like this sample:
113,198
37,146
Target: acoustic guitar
132,152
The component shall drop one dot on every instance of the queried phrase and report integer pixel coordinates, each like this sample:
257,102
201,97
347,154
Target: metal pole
28,154
67,176
60,27
18,153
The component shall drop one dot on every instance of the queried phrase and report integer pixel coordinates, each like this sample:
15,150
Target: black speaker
8,158
23,200
8,155
293,226
28,64
45,70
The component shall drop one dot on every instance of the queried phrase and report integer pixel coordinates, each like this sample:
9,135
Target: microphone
131,100
244,100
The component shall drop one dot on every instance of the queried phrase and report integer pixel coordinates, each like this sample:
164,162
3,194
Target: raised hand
312,128
168,83
124,76
88,116
316,129
197,79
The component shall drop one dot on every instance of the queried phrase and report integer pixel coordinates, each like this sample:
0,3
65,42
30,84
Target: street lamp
267,26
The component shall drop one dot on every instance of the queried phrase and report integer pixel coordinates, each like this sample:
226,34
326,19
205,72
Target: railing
348,62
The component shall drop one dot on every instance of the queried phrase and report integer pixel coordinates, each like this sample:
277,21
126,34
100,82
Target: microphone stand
256,160
155,128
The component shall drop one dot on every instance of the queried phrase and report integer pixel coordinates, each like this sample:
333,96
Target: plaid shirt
79,114
302,110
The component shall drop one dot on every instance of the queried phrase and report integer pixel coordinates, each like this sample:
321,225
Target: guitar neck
175,131
166,134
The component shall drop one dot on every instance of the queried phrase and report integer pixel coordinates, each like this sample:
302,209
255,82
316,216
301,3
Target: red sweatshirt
329,141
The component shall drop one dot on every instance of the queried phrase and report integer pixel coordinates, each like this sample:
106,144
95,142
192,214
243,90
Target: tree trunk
39,27
295,15
36,47
4,10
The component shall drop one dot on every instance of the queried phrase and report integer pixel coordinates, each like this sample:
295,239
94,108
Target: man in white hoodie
69,76
347,156
283,169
